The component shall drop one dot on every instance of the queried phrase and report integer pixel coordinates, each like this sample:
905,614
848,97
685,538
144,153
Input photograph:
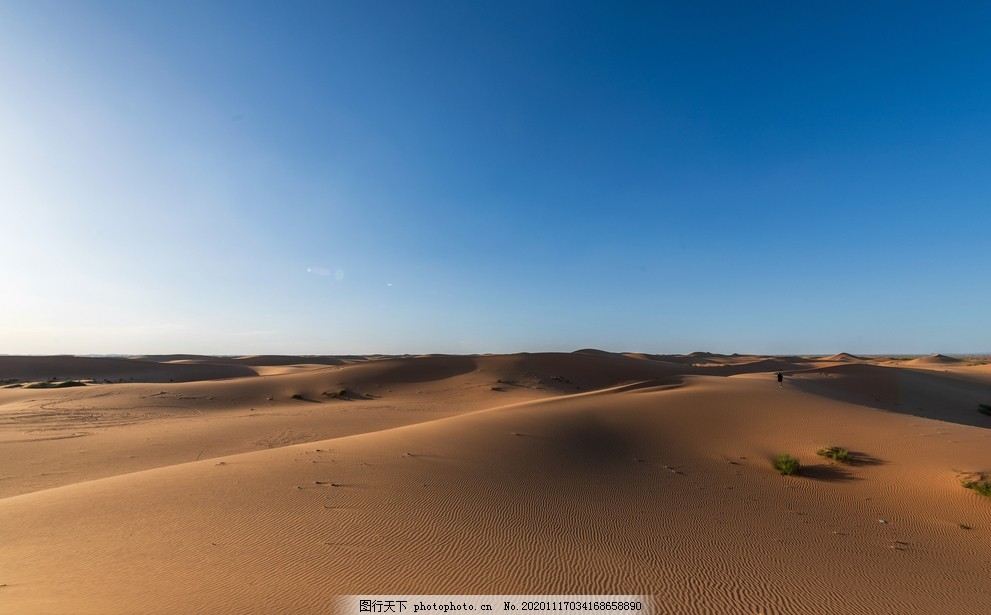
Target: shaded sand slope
100,368
946,395
661,490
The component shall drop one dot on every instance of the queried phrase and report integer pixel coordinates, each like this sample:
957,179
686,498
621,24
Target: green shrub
984,409
68,383
786,464
53,384
981,485
835,453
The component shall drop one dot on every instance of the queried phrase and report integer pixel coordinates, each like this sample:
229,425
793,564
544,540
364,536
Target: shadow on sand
858,458
837,472
829,473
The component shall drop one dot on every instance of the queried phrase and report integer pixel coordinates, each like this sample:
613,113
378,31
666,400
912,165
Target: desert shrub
835,453
786,464
68,383
297,396
981,485
53,384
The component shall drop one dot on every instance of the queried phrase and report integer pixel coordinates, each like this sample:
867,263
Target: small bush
786,464
297,396
53,384
835,453
68,383
984,409
981,485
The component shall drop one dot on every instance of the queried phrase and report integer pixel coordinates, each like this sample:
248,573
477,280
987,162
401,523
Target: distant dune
598,353
845,357
702,354
259,360
281,482
100,368
935,359
290,360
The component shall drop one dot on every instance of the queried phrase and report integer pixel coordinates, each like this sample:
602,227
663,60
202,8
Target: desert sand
271,484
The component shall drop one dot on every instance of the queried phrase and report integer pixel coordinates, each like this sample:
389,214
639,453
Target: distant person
781,380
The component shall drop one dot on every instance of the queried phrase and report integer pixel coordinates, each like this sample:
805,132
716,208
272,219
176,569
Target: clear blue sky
351,177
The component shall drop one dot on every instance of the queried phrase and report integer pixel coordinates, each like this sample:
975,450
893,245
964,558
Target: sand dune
935,359
764,365
595,352
531,473
845,357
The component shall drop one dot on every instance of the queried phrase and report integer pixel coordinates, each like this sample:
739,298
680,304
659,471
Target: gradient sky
411,177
